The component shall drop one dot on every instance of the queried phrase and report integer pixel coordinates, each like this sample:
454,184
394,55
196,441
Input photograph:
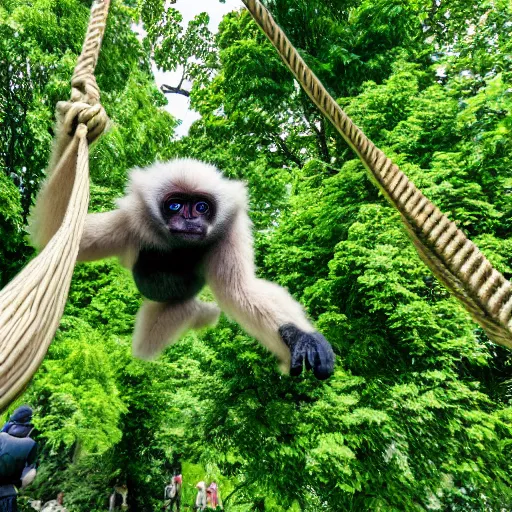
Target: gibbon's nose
188,211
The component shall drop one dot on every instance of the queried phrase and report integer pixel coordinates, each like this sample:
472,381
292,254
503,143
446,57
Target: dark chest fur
170,276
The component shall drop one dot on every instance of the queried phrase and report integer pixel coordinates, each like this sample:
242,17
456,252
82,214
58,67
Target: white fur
158,323
259,306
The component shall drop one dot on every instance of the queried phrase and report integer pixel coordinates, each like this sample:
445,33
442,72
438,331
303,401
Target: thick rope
455,261
32,304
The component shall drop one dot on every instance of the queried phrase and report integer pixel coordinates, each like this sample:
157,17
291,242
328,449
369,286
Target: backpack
15,452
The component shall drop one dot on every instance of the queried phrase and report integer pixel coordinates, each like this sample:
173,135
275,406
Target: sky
179,105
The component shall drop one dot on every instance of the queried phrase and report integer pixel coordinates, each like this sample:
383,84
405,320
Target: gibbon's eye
172,206
202,207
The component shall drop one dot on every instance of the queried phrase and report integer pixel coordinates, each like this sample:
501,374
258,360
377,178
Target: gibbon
182,225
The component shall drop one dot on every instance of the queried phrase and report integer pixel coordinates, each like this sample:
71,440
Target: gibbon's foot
310,348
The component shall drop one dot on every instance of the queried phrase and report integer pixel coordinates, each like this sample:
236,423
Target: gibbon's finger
97,125
63,107
290,334
71,118
298,356
93,134
94,122
297,342
320,356
296,367
88,114
323,363
312,359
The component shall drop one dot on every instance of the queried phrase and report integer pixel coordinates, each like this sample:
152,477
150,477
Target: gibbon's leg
264,309
51,202
159,324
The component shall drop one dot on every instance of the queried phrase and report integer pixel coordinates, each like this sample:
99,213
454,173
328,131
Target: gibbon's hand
70,114
310,348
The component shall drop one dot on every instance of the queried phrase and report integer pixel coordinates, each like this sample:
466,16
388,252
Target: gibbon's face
188,217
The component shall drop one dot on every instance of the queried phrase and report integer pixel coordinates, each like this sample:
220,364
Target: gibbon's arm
264,309
105,234
51,202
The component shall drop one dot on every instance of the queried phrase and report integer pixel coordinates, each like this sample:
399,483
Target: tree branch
168,89
235,490
322,139
278,141
311,118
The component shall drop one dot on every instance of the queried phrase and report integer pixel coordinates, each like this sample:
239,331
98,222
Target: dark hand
310,348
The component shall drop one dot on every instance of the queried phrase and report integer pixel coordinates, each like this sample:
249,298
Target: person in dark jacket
18,454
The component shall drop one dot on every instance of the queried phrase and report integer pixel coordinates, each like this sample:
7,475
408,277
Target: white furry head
148,187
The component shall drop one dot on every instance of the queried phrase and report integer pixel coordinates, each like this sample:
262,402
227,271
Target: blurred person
212,496
172,494
18,453
201,496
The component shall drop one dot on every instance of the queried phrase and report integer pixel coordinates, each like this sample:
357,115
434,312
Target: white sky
179,105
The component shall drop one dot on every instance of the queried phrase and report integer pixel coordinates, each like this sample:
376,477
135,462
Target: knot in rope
84,87
74,113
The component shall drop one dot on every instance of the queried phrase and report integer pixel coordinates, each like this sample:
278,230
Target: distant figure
172,494
112,505
55,505
212,496
35,504
18,453
118,499
201,496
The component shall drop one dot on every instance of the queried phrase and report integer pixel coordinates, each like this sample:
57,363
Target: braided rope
84,87
32,304
453,258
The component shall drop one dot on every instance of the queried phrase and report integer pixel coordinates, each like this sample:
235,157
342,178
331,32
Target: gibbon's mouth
187,232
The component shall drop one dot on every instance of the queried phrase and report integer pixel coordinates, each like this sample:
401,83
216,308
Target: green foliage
140,132
11,229
78,399
171,48
418,413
